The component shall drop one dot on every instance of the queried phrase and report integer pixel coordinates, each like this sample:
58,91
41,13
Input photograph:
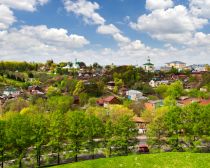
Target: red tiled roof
205,102
139,120
109,98
189,101
106,99
192,100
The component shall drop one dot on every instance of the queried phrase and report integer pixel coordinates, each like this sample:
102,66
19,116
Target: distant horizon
119,32
73,61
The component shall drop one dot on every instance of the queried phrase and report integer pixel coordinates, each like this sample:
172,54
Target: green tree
39,129
57,132
3,141
175,90
76,130
94,129
19,133
80,87
125,133
173,123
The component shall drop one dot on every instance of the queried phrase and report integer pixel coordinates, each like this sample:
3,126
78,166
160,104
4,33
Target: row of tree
71,133
177,128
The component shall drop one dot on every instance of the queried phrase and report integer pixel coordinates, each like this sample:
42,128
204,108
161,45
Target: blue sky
111,31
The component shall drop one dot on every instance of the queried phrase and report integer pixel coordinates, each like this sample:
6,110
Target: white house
135,95
156,82
199,67
11,91
176,64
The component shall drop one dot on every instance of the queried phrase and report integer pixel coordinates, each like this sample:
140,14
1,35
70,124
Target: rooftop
176,62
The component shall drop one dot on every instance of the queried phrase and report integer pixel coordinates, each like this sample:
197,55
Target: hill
161,160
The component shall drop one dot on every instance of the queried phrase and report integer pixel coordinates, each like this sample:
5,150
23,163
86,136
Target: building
176,64
79,65
149,66
153,104
156,82
141,124
105,101
10,91
187,101
135,95
111,85
199,67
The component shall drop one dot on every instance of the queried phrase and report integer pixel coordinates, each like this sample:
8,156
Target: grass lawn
161,160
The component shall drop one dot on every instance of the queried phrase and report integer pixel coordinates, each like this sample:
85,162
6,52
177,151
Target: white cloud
108,29
174,24
27,5
134,45
120,38
114,32
159,4
200,8
85,9
6,17
38,41
53,36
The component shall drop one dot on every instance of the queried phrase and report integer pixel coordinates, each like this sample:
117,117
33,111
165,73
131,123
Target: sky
122,32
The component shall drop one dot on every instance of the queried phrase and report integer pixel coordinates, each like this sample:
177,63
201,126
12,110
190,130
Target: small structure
203,89
156,82
149,66
153,104
79,65
111,85
187,101
176,64
141,124
35,90
143,148
199,67
135,95
11,91
108,100
122,91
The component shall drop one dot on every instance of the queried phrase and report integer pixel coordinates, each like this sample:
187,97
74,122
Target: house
156,82
153,104
79,65
122,91
188,101
11,91
105,101
149,66
203,89
176,64
141,124
205,102
135,95
35,90
111,85
199,67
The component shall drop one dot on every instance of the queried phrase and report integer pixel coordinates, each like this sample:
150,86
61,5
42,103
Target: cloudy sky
105,31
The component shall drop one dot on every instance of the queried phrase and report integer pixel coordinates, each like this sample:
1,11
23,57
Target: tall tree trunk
20,163
110,152
20,158
92,149
58,157
38,157
2,158
76,158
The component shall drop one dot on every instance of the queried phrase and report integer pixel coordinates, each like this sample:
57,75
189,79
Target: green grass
161,160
